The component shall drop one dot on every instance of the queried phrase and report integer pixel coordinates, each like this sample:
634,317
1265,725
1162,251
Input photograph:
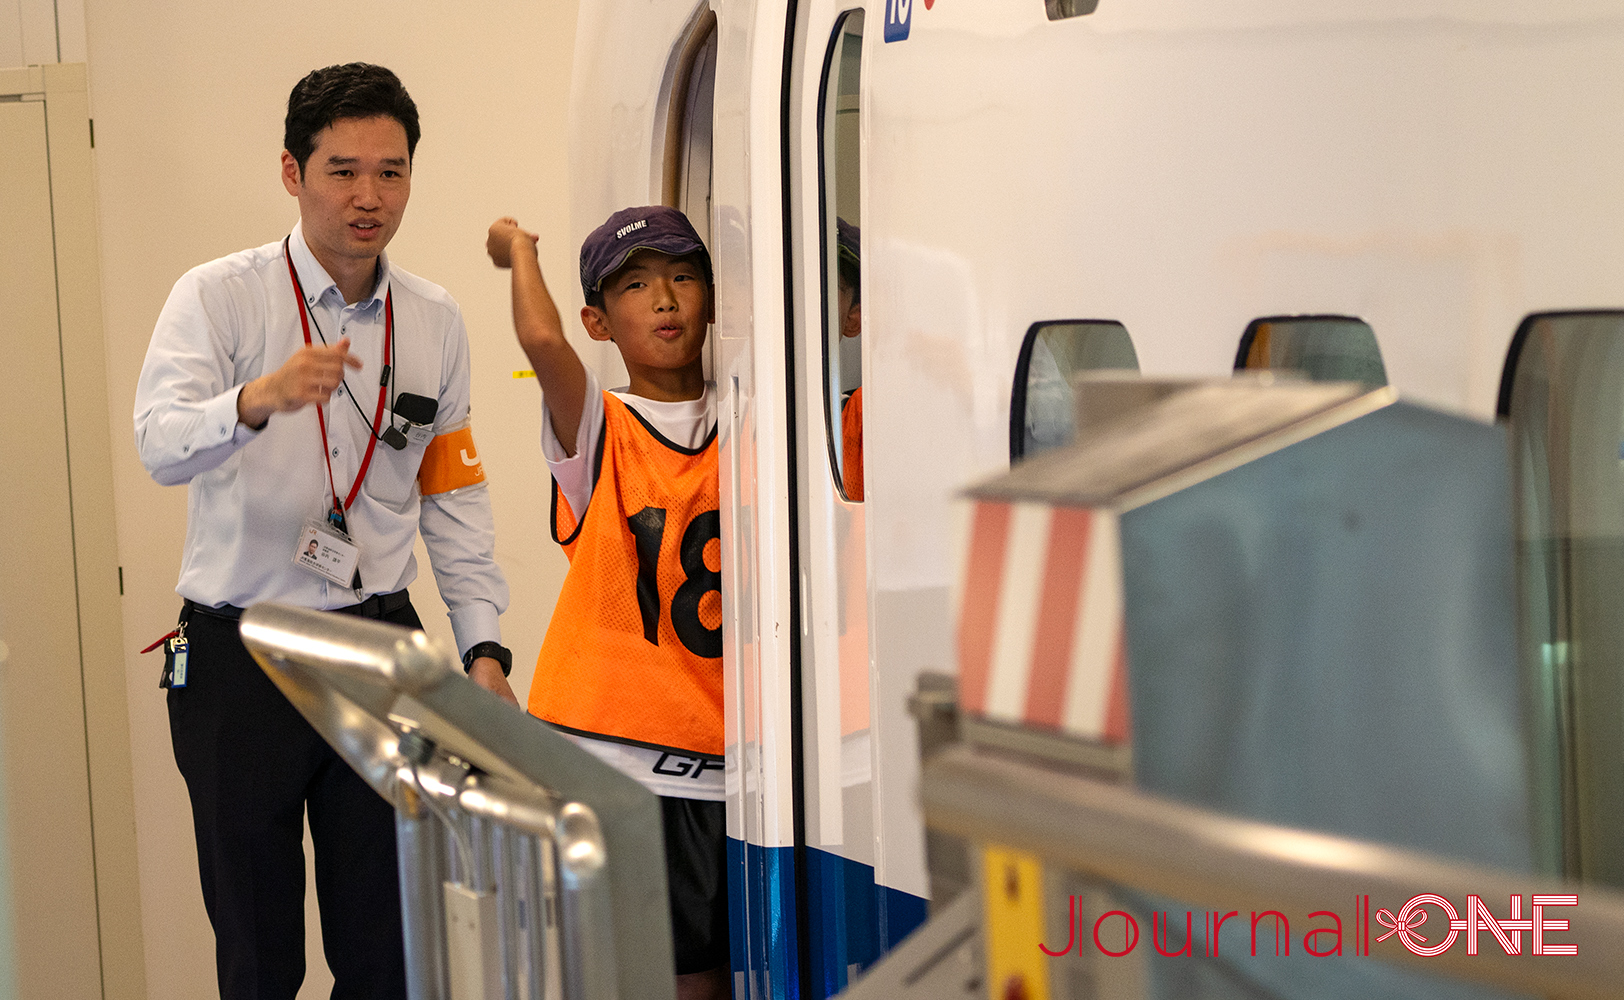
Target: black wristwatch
495,650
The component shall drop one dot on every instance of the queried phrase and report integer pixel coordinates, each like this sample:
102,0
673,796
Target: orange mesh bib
634,650
851,445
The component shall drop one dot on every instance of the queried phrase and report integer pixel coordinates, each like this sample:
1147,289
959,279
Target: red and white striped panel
1040,619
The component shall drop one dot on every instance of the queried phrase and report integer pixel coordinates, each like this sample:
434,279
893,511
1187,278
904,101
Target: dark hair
851,275
353,90
594,298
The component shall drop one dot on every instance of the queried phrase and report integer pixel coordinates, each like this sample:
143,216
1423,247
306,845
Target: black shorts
696,874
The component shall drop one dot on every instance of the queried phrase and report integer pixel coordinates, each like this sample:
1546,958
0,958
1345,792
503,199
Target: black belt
375,606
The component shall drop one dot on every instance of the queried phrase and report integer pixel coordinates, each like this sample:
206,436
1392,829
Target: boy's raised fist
499,241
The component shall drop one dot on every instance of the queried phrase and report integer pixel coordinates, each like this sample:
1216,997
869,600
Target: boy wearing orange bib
631,668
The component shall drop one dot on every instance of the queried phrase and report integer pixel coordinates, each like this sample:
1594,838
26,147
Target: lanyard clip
162,640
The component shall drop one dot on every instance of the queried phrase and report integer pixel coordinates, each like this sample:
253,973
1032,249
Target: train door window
839,137
685,181
684,164
1562,392
1042,409
1324,348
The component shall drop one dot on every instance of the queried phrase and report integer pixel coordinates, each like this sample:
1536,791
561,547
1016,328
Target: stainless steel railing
1146,843
528,869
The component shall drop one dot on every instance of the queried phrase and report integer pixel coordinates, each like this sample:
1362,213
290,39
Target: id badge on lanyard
176,652
324,546
326,550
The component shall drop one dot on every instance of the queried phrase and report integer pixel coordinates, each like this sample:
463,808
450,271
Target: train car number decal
898,17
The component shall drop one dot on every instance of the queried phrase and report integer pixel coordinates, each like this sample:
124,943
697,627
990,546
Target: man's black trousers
252,766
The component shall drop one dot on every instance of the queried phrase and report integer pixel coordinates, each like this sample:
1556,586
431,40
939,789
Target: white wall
188,100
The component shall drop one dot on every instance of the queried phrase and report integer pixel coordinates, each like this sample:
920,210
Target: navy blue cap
650,227
849,241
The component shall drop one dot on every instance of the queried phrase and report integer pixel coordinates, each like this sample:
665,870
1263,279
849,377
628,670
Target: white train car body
1437,168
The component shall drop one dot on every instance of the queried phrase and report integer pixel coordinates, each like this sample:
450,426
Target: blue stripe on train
761,919
852,922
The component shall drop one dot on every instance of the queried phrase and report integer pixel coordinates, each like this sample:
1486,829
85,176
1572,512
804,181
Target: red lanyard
321,416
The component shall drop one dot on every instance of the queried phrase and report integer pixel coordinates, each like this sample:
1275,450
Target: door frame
70,136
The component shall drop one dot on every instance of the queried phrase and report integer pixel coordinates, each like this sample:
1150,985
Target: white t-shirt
687,424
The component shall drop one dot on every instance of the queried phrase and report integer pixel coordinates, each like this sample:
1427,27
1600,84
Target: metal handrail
1183,852
397,707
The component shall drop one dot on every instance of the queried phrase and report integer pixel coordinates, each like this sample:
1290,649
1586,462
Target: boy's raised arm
541,335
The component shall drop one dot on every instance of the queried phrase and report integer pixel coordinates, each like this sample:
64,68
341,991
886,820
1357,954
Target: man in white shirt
314,398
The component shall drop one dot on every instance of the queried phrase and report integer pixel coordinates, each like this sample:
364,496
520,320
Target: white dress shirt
250,492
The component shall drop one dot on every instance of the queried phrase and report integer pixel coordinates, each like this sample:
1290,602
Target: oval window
1324,348
1562,393
1043,404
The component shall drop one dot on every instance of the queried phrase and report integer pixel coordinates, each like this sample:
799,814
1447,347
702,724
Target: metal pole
588,930
421,847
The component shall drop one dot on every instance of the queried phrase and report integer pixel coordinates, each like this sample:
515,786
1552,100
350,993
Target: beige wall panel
95,544
38,21
188,105
11,33
41,707
41,31
70,30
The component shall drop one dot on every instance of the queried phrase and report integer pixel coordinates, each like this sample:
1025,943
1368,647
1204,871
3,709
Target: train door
761,793
685,115
856,757
687,105
719,101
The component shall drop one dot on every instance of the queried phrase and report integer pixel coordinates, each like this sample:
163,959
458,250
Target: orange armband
451,462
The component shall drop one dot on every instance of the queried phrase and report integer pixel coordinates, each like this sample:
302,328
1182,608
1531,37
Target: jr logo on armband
451,462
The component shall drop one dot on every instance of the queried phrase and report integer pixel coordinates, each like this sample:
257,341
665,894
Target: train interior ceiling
1138,416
